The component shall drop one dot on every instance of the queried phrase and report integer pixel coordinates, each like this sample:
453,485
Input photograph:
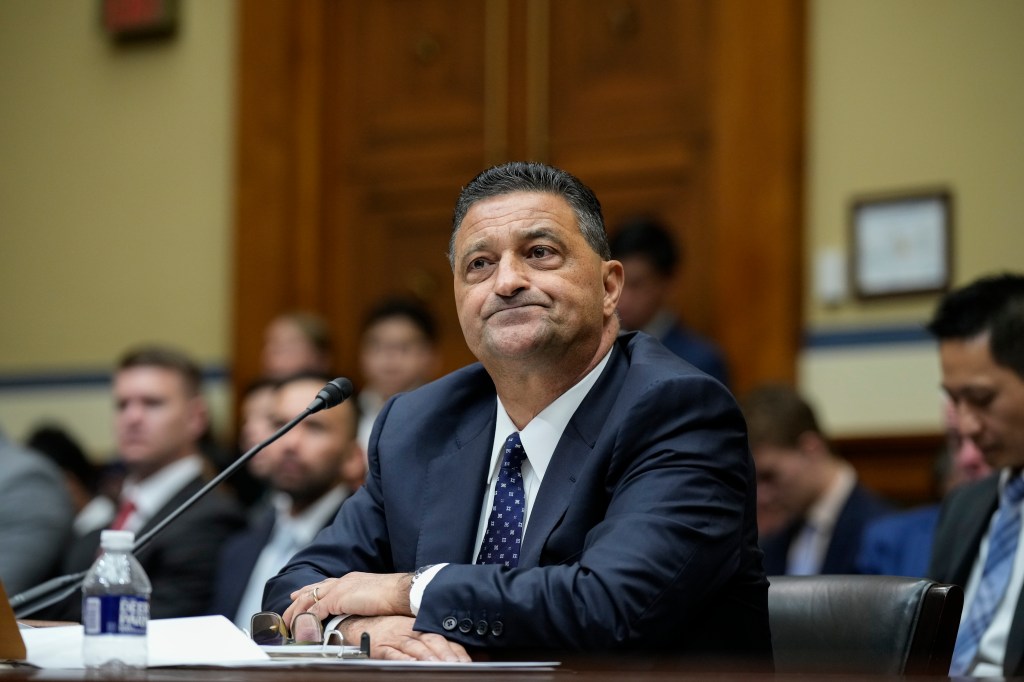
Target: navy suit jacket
642,535
963,520
899,544
861,507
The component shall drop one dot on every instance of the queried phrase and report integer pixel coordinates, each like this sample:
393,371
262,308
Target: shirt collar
304,527
540,437
824,513
151,494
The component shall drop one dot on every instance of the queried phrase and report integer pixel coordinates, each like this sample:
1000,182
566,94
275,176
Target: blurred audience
980,330
650,259
312,470
82,477
901,543
35,517
256,423
800,476
296,342
398,353
160,415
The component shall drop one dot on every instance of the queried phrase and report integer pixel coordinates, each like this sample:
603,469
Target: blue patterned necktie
504,533
1002,549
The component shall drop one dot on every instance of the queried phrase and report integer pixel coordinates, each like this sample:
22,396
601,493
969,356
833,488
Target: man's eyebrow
531,234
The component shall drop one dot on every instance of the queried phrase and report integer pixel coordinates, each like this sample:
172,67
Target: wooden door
359,121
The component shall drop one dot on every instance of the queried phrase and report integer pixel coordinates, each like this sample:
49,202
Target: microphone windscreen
335,392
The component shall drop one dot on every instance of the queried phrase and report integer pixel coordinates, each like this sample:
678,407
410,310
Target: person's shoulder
649,361
867,503
970,495
898,524
21,464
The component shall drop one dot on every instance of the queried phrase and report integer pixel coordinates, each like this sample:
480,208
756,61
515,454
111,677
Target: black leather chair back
865,624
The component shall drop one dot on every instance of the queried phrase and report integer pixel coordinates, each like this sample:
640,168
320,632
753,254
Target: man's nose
130,412
967,422
511,276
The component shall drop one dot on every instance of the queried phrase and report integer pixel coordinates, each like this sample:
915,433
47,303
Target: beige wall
115,189
906,94
115,197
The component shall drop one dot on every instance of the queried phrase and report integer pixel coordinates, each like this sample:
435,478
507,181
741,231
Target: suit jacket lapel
569,457
453,489
176,501
977,517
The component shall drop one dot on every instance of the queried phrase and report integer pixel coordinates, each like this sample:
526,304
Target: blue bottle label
115,614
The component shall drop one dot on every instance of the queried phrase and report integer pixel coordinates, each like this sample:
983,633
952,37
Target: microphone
58,589
334,393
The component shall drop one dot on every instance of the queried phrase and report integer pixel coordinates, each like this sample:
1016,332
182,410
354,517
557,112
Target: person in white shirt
313,469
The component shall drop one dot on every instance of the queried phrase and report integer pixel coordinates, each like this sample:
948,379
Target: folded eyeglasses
269,630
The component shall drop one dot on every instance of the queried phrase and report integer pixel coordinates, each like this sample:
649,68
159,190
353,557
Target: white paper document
205,640
215,641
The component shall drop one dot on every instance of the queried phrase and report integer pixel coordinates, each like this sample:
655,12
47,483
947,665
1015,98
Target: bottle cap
117,539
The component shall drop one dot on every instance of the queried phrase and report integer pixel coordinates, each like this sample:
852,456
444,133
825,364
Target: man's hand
361,594
392,638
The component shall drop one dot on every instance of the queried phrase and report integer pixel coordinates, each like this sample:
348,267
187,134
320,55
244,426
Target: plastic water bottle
115,606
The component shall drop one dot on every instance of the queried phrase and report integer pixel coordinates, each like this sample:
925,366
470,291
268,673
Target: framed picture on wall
901,244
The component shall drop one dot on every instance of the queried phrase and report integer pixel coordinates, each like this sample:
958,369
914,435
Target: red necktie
124,512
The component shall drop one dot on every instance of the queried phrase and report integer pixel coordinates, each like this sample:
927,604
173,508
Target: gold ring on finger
316,594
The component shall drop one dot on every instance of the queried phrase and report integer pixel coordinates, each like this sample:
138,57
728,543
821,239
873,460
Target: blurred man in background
398,353
313,469
980,329
296,342
901,543
816,489
160,415
650,259
35,517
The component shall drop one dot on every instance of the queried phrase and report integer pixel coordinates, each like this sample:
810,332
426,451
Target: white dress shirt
539,438
290,534
151,494
807,553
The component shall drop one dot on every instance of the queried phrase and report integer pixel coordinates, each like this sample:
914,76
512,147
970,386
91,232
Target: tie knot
514,451
1014,491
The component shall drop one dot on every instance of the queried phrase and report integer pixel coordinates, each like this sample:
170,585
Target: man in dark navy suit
577,490
315,467
980,330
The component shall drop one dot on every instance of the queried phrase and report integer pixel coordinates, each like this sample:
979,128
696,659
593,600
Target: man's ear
198,417
614,279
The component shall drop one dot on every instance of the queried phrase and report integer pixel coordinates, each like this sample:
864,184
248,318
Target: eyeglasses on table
269,631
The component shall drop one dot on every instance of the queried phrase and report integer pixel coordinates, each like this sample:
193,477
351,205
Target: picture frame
901,243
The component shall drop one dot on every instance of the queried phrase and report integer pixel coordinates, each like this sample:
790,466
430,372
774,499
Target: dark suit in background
860,509
643,528
899,544
181,559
